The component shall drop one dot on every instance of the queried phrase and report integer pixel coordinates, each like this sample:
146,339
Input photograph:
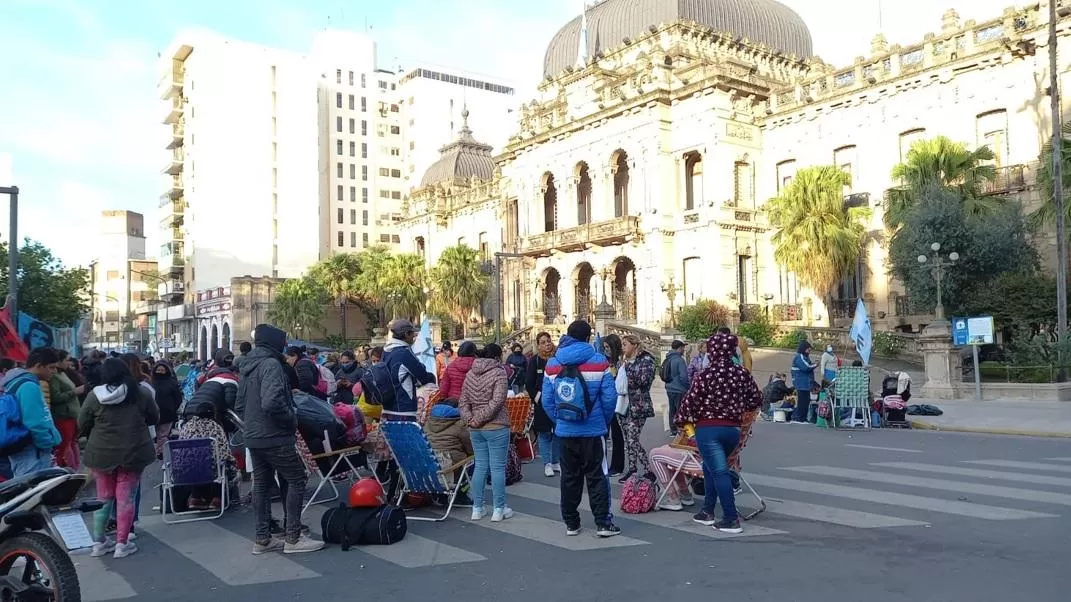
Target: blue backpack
378,387
570,407
13,434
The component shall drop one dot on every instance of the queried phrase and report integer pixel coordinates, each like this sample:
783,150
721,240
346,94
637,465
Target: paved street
881,515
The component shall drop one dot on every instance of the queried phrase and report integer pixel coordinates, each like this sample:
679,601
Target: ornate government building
639,173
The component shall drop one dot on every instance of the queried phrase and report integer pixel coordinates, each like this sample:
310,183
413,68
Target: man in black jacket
267,408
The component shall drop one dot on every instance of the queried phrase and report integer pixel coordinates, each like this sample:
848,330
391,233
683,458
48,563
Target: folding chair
521,414
192,463
851,390
420,469
339,458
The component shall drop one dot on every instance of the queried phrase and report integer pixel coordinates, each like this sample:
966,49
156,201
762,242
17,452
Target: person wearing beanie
267,408
407,373
578,376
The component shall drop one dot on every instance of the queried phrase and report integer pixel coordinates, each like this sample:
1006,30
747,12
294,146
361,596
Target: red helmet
367,493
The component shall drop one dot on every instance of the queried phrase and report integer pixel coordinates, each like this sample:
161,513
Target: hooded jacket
64,400
723,392
595,370
483,397
454,377
406,374
641,373
35,415
115,424
447,433
678,373
264,400
168,393
215,396
802,368
351,372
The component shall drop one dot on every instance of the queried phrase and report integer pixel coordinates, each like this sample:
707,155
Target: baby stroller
895,393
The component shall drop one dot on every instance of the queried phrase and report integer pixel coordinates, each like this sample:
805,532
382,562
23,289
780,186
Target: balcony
610,232
174,192
170,83
177,234
842,308
174,166
171,288
1010,179
172,256
173,219
178,135
178,105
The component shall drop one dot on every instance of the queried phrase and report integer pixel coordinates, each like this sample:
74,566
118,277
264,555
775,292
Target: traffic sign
972,331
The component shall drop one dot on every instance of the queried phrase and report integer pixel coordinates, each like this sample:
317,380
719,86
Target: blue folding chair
191,463
420,468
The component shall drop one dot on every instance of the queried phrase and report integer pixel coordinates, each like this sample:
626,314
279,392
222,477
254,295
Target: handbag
363,526
621,384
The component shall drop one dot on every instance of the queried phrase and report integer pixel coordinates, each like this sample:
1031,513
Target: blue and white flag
423,348
861,333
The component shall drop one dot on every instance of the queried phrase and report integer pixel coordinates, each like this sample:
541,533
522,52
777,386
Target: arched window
583,194
550,203
619,169
693,180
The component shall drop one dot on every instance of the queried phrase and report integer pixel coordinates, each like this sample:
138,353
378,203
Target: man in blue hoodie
34,437
407,373
579,396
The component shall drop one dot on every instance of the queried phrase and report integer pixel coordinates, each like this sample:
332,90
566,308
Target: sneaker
799,422
103,548
122,550
272,545
478,513
302,545
215,503
501,514
548,470
705,519
573,531
557,467
673,505
196,503
608,530
728,526
738,490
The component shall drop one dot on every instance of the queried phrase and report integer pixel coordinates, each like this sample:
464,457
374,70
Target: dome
461,160
611,21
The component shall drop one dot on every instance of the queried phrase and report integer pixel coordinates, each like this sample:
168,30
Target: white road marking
878,447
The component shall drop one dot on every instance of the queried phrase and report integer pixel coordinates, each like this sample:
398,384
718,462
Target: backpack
565,389
377,386
513,465
638,495
13,434
663,371
353,419
363,526
825,410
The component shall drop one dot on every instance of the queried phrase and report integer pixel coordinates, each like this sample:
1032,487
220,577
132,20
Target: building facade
639,173
122,281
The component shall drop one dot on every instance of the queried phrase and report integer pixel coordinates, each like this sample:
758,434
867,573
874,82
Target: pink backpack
638,495
353,419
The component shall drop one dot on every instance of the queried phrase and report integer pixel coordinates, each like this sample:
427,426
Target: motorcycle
40,525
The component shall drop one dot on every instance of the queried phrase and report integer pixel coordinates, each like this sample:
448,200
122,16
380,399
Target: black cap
400,328
579,330
677,344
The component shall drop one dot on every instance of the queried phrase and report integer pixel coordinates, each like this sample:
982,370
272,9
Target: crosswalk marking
1059,459
679,521
1012,493
896,499
1021,465
983,473
552,533
98,582
878,447
413,551
838,516
224,553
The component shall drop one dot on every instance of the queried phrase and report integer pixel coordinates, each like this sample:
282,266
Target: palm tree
1045,215
369,289
405,281
458,283
338,275
948,164
299,306
818,237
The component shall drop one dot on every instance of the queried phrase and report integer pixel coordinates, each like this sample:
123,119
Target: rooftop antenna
879,15
582,46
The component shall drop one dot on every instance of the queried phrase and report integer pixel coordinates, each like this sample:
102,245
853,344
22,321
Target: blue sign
972,331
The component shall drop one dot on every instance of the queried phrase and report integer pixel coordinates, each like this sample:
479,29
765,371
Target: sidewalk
1034,419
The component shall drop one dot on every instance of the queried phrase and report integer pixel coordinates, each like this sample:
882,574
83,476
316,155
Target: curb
926,426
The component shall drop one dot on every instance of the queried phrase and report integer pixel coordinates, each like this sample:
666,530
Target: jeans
491,448
549,448
118,489
803,403
285,461
29,460
674,403
584,461
716,444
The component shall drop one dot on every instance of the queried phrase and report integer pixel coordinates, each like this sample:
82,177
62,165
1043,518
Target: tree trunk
342,317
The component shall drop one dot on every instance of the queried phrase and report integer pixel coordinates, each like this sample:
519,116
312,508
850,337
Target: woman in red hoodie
454,374
715,405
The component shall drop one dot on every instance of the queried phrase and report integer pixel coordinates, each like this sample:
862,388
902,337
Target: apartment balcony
174,166
174,192
170,83
178,135
177,234
610,232
170,289
173,219
174,113
1011,179
172,257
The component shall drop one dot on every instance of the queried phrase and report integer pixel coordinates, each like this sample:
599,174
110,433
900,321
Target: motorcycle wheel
40,553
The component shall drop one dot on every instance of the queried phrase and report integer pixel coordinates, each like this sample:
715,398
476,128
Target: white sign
72,529
980,330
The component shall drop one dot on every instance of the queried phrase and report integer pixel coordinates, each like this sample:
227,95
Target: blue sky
79,112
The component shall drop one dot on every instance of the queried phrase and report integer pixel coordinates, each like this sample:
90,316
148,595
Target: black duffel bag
363,526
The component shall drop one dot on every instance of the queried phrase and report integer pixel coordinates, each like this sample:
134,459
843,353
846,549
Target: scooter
40,525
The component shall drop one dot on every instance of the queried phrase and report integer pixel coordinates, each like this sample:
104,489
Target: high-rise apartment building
122,280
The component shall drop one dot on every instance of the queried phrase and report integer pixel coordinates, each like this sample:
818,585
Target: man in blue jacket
407,373
580,421
33,439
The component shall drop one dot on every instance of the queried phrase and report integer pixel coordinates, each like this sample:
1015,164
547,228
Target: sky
80,115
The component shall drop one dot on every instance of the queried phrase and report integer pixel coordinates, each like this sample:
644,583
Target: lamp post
938,265
13,252
498,290
670,289
1058,182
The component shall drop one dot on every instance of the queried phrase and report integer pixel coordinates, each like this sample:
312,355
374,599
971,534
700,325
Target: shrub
790,340
888,344
760,330
697,322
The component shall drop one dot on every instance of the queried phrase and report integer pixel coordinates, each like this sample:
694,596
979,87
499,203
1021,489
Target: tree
987,246
1045,215
942,162
701,319
405,281
818,237
48,290
458,283
1016,299
369,284
338,275
299,306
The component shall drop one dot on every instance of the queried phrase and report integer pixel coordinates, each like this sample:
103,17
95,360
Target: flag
423,347
861,333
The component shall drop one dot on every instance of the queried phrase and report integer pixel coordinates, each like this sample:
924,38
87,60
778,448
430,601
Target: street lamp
670,289
13,252
938,265
1058,181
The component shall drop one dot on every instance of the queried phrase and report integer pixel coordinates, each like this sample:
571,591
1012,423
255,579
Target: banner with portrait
35,333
